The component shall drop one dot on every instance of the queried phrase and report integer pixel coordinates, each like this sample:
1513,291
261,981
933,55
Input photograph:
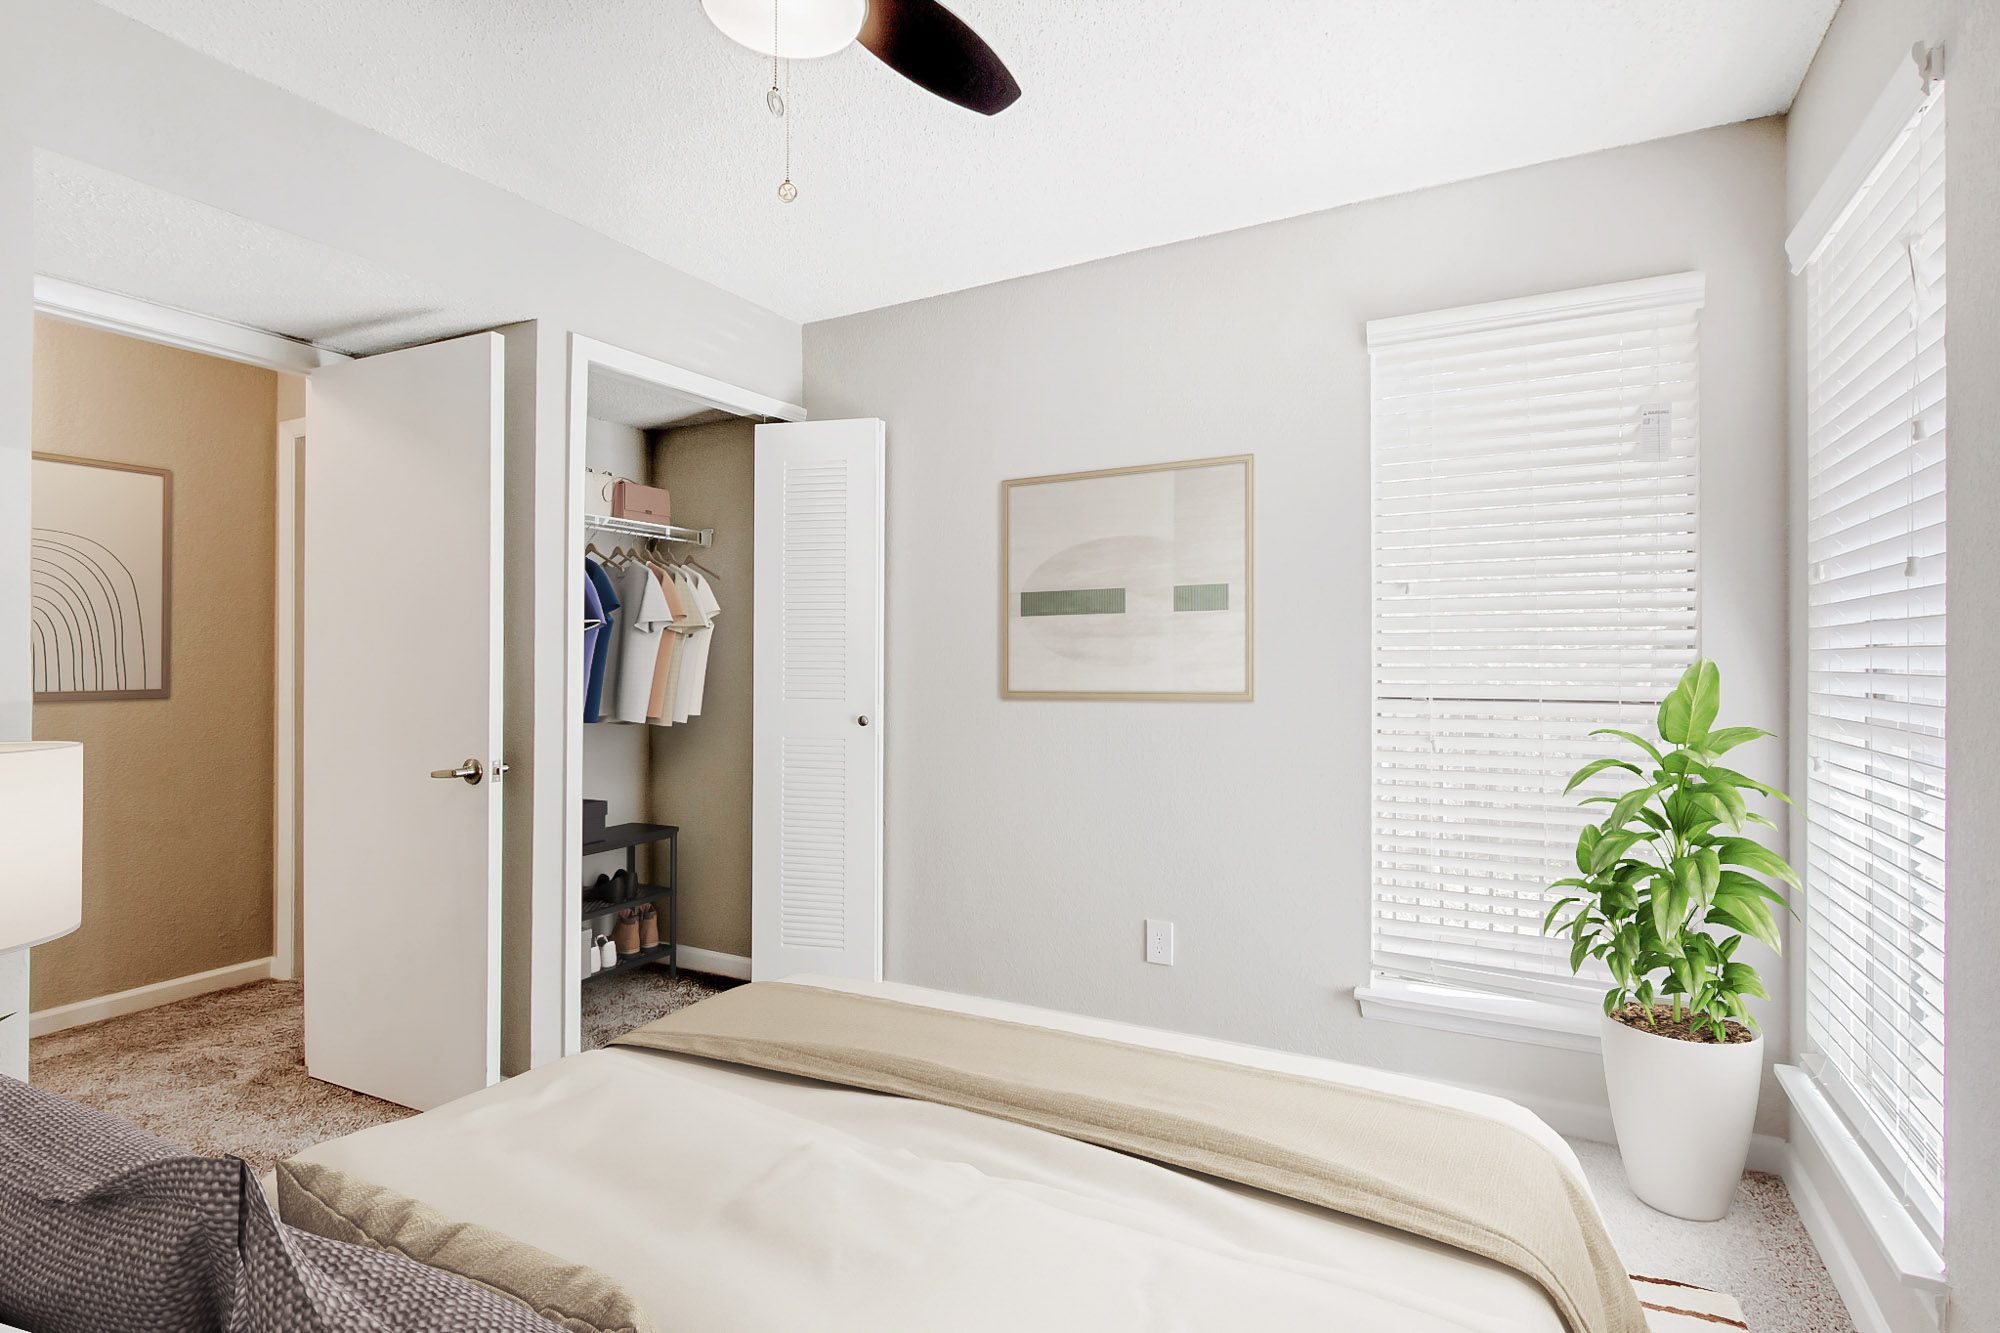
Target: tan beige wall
177,791
701,771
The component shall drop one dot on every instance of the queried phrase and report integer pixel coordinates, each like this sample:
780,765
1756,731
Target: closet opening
660,881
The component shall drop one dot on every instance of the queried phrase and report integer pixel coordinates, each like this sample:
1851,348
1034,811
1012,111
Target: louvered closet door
816,839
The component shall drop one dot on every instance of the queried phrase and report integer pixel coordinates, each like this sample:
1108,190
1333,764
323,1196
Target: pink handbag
651,504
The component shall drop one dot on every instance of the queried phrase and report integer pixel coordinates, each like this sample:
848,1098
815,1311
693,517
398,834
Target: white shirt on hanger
639,639
694,671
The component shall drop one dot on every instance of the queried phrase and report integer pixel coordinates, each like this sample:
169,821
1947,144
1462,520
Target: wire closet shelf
665,532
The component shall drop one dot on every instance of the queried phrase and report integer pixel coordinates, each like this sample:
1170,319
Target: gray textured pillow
106,1229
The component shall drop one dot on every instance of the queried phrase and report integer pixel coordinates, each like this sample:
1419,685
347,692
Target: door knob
471,770
861,721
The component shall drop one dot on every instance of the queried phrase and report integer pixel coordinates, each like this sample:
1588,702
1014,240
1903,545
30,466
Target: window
1535,578
1874,905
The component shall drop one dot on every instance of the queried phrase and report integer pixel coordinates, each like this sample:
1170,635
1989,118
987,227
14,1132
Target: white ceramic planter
1684,1111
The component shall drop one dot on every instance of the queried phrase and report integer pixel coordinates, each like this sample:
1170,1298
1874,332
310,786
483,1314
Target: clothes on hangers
593,626
647,616
694,668
670,649
600,645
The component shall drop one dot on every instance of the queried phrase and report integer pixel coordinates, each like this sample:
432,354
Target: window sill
1902,1242
1566,1027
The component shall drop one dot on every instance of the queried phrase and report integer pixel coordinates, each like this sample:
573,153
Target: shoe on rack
626,933
598,895
607,953
622,887
649,927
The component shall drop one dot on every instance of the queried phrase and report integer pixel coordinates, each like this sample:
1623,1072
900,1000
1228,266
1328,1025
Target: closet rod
665,532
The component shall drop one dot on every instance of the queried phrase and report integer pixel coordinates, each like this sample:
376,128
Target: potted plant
1668,886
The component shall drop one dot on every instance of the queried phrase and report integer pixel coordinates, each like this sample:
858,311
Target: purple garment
598,667
593,627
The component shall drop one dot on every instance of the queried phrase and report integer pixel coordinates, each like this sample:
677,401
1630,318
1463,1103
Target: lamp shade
41,841
794,29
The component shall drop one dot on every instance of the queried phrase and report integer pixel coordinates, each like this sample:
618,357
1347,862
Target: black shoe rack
629,838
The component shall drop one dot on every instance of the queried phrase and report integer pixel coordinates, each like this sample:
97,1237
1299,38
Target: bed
730,1197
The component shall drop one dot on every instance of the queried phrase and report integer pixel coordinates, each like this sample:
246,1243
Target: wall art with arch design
101,569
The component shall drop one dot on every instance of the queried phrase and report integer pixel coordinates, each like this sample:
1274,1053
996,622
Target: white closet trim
559,748
75,303
1915,84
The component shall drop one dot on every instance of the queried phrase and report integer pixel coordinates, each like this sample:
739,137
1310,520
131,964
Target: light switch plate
1160,942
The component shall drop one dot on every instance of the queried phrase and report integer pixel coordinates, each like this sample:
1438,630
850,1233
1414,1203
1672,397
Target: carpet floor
225,1073
1759,1253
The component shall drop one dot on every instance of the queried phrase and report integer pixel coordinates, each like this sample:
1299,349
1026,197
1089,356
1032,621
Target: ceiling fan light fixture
805,29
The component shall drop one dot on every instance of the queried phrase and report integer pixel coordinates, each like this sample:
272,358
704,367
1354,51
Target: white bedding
731,1199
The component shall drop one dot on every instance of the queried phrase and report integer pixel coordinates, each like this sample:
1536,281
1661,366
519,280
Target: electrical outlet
1160,942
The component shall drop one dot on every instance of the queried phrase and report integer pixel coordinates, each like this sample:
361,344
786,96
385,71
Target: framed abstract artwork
101,573
1129,583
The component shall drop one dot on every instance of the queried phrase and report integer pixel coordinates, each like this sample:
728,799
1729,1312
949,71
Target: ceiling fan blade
932,48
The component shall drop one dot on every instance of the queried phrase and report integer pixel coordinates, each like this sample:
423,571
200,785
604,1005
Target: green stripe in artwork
1074,602
1201,597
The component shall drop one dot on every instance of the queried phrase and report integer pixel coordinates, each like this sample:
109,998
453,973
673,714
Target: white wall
1862,47
17,333
1027,840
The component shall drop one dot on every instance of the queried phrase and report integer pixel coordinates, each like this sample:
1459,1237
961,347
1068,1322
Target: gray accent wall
1028,840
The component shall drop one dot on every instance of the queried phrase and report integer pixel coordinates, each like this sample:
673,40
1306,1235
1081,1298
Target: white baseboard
44,1021
715,964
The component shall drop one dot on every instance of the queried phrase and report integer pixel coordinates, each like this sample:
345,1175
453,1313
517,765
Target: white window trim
1675,289
1566,1027
1917,79
1901,1238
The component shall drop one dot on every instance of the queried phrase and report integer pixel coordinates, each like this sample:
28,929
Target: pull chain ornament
788,191
777,102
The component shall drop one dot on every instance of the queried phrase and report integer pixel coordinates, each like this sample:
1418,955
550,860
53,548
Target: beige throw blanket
1432,1171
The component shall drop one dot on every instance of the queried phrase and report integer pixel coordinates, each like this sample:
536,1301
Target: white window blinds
1875,742
1535,578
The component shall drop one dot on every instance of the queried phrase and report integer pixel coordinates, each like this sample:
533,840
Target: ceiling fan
919,39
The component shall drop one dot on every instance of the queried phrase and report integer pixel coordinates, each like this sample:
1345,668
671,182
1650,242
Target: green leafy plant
1668,885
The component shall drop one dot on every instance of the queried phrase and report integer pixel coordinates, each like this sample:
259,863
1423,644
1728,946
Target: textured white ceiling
114,234
1143,121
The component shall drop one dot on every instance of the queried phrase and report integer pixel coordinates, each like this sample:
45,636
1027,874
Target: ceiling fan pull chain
788,191
774,99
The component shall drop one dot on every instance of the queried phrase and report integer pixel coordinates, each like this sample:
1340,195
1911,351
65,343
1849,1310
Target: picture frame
101,573
1130,583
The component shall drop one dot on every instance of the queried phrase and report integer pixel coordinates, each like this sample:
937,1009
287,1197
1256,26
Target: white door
400,673
816,802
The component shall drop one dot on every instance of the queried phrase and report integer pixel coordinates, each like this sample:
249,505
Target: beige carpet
1759,1253
220,1073
225,1073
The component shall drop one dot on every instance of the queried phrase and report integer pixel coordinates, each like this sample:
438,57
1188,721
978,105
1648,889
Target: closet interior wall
617,768
700,771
